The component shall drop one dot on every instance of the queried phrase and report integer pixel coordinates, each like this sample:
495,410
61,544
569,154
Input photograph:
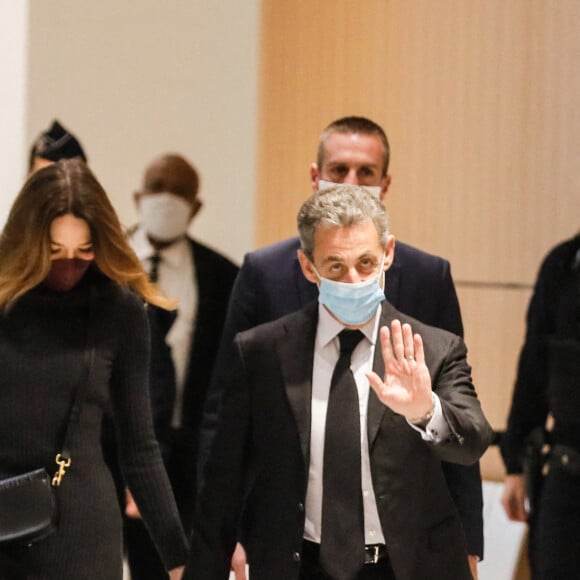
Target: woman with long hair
68,273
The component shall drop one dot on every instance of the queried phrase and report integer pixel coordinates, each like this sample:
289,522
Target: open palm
406,386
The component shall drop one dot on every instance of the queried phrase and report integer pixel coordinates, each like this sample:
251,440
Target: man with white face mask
335,422
184,347
352,150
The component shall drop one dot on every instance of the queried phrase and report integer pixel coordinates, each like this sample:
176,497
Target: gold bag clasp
62,467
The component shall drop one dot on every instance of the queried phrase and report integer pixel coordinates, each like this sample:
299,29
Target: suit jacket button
300,507
296,556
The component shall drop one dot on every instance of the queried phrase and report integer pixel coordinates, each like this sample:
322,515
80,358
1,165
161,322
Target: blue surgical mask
353,304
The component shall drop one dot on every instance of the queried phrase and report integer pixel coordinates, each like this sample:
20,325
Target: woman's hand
239,562
514,498
131,509
176,573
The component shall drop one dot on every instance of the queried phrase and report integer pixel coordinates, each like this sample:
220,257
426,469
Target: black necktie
154,270
342,541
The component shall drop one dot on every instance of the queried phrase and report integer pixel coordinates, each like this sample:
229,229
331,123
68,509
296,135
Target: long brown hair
66,187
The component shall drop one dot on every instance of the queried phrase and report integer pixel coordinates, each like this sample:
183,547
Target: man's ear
306,267
195,207
314,177
385,183
389,252
136,197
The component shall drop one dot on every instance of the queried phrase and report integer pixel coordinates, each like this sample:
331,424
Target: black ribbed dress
42,341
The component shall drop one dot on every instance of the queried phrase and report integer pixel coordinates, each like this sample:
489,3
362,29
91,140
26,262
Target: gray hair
340,206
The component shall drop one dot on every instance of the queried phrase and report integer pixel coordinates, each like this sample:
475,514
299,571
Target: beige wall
13,47
481,103
134,79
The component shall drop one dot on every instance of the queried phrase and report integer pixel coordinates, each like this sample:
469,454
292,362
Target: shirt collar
172,255
329,327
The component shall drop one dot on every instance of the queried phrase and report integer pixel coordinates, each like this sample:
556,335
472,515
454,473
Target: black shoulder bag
28,511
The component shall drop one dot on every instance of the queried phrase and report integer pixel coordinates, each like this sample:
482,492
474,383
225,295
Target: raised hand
406,386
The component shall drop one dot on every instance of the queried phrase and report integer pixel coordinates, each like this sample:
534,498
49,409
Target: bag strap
64,459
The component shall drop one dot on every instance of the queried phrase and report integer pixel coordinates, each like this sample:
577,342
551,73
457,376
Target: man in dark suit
184,347
270,284
338,480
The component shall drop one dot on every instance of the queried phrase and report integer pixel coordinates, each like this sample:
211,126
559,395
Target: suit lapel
203,277
209,306
206,306
376,409
296,352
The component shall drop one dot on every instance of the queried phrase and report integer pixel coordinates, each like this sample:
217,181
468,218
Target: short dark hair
354,125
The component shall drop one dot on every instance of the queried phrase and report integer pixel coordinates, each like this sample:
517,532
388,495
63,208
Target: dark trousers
310,568
179,456
555,530
142,557
11,567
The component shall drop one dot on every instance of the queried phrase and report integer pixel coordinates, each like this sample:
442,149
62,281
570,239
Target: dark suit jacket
264,436
271,284
215,276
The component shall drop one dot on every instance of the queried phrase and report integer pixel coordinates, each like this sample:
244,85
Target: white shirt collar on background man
177,279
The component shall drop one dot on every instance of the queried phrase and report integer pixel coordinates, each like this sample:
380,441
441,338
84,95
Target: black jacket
215,277
549,363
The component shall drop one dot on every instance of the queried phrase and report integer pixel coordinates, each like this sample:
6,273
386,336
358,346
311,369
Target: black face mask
66,273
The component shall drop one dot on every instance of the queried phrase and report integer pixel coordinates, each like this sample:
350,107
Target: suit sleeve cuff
436,429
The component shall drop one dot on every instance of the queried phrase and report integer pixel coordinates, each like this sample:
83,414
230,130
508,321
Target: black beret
57,143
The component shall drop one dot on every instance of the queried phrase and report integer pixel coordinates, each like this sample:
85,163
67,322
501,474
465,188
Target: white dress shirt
326,353
176,278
